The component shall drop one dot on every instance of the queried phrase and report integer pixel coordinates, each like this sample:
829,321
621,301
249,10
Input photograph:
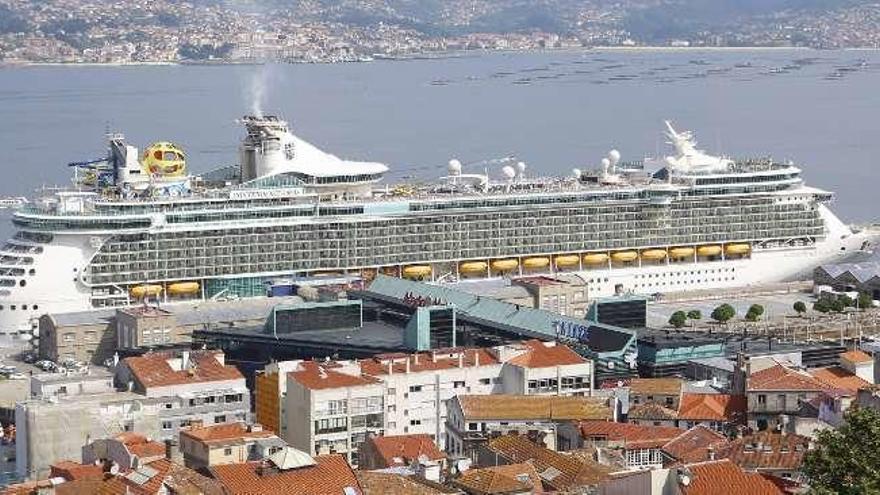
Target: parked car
29,357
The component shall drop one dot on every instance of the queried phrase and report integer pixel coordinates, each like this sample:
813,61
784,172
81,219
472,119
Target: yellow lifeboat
709,250
681,252
417,271
625,256
472,267
142,291
654,254
537,262
504,265
738,249
595,258
183,288
567,260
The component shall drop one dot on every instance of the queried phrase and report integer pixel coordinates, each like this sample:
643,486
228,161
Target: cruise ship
137,226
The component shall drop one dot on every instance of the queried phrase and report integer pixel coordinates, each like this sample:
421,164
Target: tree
837,305
752,315
678,319
723,313
865,300
844,460
757,309
821,306
800,308
695,314
846,301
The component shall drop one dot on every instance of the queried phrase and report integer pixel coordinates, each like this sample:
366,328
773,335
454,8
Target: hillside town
80,31
342,386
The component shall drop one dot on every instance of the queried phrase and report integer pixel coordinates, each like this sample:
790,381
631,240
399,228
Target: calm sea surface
555,111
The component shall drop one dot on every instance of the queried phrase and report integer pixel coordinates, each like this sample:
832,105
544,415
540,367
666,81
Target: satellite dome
454,167
521,167
164,158
606,163
576,173
614,157
508,171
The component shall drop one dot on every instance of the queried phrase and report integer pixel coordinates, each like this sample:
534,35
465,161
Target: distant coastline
437,55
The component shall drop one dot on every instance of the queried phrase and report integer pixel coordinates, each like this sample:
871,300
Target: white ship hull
55,286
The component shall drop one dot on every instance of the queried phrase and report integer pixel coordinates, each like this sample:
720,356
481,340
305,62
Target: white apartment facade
413,390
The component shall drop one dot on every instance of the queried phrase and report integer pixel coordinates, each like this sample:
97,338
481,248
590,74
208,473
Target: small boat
417,271
536,262
183,288
681,252
654,254
473,267
595,258
709,251
504,265
625,256
737,249
142,291
566,260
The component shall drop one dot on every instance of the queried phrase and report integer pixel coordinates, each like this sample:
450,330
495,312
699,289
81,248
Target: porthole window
32,272
36,307
12,307
24,307
22,283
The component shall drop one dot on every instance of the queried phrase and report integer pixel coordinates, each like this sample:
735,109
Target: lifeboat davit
417,271
472,267
681,252
142,291
504,265
654,254
183,288
738,249
567,260
625,256
595,258
537,262
709,250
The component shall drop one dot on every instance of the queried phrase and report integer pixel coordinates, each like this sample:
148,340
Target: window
415,388
762,399
169,405
415,422
220,419
227,451
166,425
392,391
669,401
472,427
485,381
458,384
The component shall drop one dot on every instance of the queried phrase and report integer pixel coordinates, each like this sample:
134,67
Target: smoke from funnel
257,89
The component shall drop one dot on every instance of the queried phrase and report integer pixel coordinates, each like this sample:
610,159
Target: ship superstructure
137,228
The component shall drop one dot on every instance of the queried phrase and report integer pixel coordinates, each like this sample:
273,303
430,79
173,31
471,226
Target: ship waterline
290,210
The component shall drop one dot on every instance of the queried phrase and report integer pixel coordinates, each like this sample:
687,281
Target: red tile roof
437,360
153,369
651,411
782,378
318,376
329,476
545,355
838,378
631,435
224,432
498,480
726,478
768,450
140,446
856,356
123,485
70,471
712,407
378,483
696,445
571,472
403,450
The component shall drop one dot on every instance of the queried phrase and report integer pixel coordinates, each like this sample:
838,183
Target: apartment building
778,391
413,389
474,419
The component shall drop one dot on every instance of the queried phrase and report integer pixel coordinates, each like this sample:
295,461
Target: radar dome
606,163
614,157
164,158
520,167
454,167
576,173
508,171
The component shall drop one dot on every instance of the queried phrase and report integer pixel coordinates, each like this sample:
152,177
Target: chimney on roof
390,364
461,360
415,358
476,357
172,451
433,356
407,364
184,360
256,427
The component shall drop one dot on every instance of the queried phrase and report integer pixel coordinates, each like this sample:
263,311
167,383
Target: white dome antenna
576,173
614,157
521,168
454,167
606,163
508,171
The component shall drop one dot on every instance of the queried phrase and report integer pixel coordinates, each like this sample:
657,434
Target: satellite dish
576,173
508,171
520,167
614,157
454,167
